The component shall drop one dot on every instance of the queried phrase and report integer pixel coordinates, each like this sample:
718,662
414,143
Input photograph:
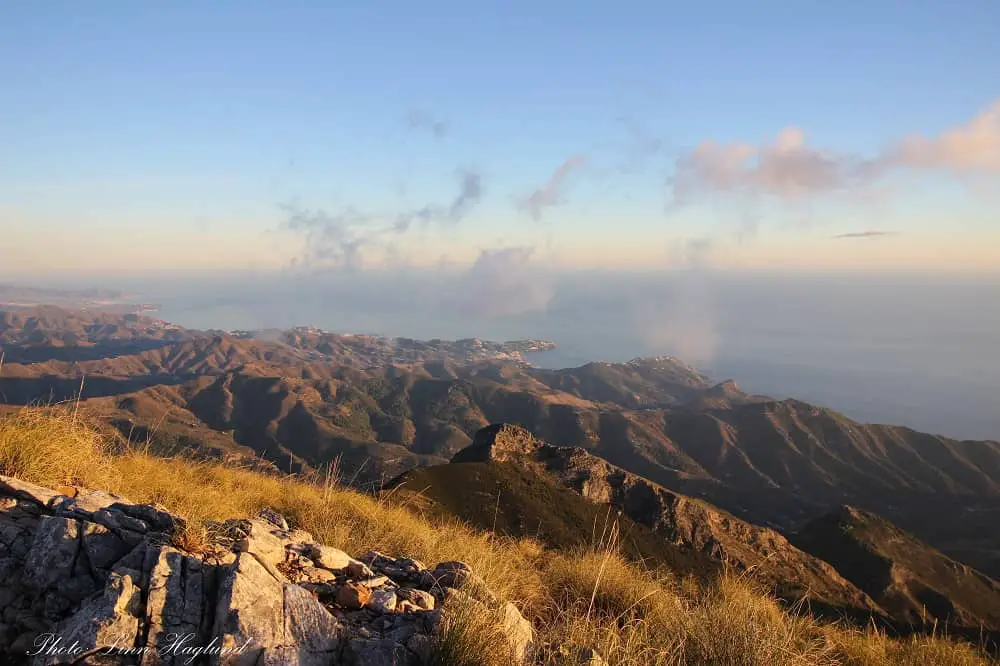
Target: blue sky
175,130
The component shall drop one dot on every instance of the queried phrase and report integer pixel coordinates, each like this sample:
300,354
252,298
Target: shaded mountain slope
509,499
908,578
683,521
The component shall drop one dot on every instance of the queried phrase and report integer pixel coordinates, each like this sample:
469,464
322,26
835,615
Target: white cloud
789,168
973,147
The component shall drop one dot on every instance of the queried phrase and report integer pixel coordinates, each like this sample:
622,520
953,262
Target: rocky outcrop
97,579
684,521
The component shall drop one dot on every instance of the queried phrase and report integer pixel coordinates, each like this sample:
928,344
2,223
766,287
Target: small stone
418,598
318,575
274,518
300,536
406,607
376,560
382,601
410,564
376,581
518,630
358,569
397,573
328,557
353,597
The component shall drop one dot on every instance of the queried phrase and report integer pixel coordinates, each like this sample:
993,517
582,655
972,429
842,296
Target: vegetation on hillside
589,596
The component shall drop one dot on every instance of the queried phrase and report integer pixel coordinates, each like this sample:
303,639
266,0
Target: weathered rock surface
90,578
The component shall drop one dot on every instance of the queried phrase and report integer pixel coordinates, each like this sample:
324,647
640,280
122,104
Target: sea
918,350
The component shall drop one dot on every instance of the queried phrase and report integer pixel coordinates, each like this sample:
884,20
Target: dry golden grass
591,598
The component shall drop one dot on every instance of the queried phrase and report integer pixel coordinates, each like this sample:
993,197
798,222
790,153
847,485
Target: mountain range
870,520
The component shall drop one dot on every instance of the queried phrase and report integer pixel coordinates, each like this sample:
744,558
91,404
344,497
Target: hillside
689,524
776,463
909,579
583,605
513,501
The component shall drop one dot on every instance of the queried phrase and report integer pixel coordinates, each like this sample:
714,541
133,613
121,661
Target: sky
499,136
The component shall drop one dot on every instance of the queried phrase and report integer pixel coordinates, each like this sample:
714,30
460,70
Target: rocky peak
500,442
94,578
682,520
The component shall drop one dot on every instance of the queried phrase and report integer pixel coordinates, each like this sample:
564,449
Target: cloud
338,240
548,195
421,120
786,167
970,148
470,192
504,281
866,234
330,240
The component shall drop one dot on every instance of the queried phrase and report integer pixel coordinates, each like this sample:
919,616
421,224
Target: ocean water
920,351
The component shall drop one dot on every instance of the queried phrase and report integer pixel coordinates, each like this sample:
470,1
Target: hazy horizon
895,348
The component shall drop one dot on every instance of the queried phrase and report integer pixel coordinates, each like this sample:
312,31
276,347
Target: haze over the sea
887,348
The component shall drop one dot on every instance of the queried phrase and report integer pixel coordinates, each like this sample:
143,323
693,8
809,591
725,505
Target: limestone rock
328,557
53,553
12,487
98,572
249,611
274,518
308,625
518,630
254,536
419,598
353,597
317,575
382,601
105,623
358,569
175,604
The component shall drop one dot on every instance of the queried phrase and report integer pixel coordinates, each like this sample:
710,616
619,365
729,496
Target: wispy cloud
329,239
867,234
424,121
340,239
470,192
549,194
